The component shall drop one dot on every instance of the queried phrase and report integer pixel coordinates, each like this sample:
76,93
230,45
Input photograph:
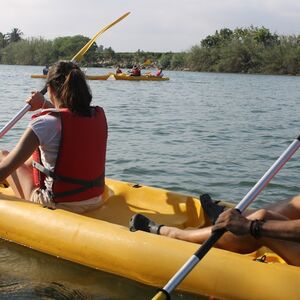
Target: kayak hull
114,77
140,78
89,77
100,239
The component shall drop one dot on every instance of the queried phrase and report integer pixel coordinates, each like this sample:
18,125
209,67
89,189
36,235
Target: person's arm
285,230
23,150
236,223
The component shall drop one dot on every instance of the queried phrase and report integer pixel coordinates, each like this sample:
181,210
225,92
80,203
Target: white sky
153,25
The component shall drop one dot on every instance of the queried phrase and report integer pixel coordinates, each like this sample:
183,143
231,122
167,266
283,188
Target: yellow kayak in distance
114,77
146,77
101,239
89,77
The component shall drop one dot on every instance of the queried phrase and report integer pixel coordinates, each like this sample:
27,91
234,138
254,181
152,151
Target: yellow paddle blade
81,52
147,62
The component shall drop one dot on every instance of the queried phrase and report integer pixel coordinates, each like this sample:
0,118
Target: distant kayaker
277,227
71,137
118,70
135,71
159,73
46,70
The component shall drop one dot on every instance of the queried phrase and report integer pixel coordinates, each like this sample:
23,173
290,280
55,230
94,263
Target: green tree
246,50
218,39
3,40
240,57
15,35
210,41
202,58
165,60
178,61
264,36
109,53
66,47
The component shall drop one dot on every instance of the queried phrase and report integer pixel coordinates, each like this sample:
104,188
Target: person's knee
292,208
239,244
259,214
295,200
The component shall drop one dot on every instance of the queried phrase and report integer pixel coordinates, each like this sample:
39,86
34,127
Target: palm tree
3,40
14,35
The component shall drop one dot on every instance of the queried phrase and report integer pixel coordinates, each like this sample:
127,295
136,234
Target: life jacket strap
42,169
85,184
98,182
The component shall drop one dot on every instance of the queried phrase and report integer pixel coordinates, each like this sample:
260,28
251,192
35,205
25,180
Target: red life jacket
80,165
136,72
159,73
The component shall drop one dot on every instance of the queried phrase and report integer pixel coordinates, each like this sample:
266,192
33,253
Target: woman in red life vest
70,136
135,71
118,70
159,73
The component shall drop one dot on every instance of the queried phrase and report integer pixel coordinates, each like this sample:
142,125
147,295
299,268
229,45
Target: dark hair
71,88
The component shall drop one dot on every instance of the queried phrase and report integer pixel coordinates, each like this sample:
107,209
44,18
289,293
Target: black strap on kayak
85,184
262,259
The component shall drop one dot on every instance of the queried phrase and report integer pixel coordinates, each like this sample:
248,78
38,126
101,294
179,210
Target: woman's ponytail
71,87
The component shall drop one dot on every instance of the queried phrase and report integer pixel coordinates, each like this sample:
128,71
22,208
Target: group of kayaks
112,76
101,239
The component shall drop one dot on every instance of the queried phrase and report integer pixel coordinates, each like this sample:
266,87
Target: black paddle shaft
44,90
206,246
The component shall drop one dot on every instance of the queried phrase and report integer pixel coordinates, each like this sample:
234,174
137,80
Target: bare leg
21,181
229,241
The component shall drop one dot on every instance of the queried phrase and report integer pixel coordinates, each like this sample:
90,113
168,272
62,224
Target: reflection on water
28,274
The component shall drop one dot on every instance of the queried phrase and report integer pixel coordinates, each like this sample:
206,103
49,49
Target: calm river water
198,132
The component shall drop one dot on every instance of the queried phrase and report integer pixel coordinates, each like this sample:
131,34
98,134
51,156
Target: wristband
255,228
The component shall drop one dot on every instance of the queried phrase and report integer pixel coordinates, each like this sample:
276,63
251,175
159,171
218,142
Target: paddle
76,58
164,293
80,54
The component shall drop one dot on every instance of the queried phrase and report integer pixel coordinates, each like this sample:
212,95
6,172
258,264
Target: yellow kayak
147,77
115,77
89,77
100,239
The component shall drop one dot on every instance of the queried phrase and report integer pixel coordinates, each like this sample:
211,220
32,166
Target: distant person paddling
118,70
135,71
159,73
46,70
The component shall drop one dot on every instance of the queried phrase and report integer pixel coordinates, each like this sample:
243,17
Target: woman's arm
23,150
